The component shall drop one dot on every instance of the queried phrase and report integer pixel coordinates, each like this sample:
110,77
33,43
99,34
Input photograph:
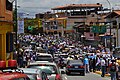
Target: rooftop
75,6
114,13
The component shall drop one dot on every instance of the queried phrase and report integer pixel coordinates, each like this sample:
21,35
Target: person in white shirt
103,67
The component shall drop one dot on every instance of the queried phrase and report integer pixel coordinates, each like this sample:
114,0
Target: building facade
114,21
76,19
6,27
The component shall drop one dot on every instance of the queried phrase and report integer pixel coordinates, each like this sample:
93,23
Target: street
89,76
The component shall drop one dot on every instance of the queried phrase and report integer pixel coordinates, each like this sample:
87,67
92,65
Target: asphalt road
88,76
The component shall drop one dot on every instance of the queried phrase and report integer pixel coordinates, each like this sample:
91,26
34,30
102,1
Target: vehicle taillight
58,77
38,79
2,64
81,66
69,66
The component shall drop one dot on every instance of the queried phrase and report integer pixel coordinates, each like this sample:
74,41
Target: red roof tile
77,6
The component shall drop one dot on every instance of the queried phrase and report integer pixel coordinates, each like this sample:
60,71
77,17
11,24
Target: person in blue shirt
86,64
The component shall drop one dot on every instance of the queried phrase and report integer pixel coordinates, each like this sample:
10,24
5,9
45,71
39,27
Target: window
91,35
95,34
114,24
9,42
8,5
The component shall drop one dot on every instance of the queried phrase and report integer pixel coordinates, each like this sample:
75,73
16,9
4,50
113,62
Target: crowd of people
94,58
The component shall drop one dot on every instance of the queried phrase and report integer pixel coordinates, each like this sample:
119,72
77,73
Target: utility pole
16,24
110,24
15,19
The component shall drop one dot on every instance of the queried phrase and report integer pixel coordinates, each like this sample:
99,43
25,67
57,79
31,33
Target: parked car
49,68
11,72
35,74
75,66
44,57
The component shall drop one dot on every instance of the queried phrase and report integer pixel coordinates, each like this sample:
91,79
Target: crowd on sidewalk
106,64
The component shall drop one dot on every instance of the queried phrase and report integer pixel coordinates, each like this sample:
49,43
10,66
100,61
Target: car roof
31,71
9,76
75,61
44,54
42,62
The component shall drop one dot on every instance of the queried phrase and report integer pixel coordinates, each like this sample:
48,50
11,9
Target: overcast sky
39,6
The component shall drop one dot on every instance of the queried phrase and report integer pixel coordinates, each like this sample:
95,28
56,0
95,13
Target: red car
6,73
13,76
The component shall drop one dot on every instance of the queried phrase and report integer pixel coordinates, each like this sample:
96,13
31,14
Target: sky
33,7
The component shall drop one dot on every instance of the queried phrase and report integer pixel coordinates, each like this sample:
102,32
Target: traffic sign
98,29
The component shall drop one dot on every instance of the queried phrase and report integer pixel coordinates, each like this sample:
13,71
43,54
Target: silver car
49,68
35,74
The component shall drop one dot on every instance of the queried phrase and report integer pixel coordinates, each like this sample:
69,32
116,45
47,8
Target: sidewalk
99,72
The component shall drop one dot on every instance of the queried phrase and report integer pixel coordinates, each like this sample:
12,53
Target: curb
99,72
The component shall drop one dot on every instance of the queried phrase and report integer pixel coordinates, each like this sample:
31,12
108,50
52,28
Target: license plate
76,66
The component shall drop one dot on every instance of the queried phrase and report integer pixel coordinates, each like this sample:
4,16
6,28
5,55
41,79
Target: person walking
98,63
113,69
103,67
86,63
20,60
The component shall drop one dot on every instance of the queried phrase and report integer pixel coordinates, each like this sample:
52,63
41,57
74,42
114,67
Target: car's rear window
44,58
75,61
64,56
49,69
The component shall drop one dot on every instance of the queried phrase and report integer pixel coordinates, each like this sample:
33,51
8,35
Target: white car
49,68
44,57
35,74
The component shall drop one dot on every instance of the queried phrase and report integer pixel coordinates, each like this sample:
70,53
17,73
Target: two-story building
76,19
114,21
6,29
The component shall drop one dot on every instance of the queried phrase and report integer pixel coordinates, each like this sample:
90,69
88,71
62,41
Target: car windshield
48,69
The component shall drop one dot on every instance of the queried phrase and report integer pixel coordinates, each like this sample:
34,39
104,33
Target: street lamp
11,1
110,24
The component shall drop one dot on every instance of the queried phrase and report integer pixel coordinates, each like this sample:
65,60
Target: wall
6,25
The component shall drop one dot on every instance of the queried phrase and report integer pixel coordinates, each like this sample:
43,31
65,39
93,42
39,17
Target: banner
20,23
